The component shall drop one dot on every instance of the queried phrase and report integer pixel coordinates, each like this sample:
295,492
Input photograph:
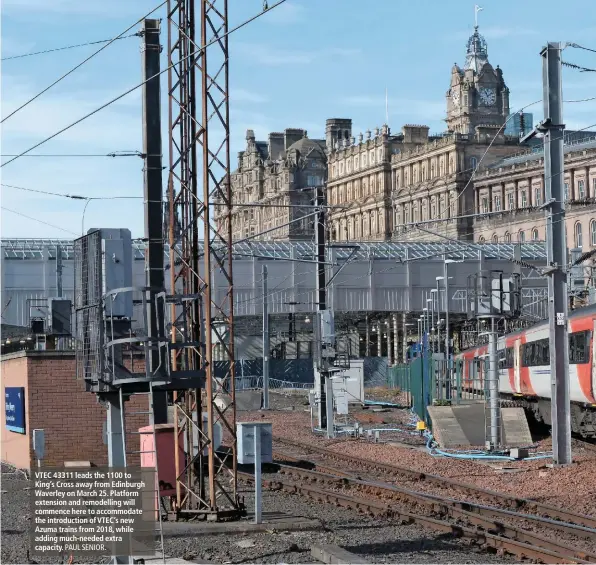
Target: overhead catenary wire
37,220
137,34
119,97
578,67
71,196
61,78
113,154
578,46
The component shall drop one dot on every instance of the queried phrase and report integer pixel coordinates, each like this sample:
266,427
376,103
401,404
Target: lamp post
431,320
437,279
435,326
448,356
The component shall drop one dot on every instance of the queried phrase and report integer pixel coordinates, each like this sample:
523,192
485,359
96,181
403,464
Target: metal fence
256,383
431,382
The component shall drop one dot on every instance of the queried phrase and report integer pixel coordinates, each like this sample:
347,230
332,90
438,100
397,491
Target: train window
536,353
507,357
579,347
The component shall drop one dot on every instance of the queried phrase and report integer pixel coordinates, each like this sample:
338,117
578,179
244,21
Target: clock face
487,96
455,97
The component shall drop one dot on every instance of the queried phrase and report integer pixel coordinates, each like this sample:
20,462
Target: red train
524,369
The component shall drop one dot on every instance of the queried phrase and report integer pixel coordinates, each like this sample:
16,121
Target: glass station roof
394,250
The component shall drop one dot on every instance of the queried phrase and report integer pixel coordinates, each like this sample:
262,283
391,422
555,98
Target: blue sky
303,62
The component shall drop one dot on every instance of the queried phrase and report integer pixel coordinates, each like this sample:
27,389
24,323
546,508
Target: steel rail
514,502
520,549
475,514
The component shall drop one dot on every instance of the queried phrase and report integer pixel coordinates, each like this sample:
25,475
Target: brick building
57,402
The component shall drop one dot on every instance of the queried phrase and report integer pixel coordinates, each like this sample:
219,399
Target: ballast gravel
375,540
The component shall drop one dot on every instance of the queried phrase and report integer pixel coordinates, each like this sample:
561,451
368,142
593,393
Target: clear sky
303,62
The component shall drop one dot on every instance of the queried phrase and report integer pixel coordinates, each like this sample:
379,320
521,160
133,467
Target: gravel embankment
377,541
570,487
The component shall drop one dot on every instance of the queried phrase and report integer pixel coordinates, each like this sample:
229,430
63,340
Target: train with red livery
525,375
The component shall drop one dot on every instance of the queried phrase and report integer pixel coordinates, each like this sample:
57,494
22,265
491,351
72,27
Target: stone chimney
276,146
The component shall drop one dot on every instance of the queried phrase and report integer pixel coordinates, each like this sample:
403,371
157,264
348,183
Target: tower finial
476,10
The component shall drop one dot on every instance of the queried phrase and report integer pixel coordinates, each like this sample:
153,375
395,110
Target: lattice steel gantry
201,315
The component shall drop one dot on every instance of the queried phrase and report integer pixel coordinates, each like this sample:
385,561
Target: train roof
583,311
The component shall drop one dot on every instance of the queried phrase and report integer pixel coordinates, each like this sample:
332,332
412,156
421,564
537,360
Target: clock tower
477,95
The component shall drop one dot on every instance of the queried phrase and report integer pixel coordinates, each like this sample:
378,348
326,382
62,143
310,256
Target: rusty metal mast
201,314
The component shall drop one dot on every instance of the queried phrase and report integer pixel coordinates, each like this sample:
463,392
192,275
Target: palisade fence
430,382
295,373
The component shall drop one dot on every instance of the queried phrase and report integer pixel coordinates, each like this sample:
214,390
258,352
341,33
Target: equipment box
245,432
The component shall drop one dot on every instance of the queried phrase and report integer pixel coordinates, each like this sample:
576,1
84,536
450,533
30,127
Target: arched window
521,236
578,235
481,239
507,237
495,238
534,234
593,232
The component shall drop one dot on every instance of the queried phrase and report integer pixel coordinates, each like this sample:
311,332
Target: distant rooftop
537,153
394,250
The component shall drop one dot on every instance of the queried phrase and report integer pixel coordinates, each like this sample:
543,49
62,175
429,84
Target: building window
566,191
537,196
594,188
481,239
578,236
510,198
524,199
485,205
497,203
593,232
581,189
433,211
521,236
534,234
473,163
495,238
507,237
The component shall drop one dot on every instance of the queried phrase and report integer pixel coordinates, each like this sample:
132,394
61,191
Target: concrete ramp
464,425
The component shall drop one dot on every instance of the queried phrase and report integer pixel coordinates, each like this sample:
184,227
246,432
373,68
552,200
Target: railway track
520,544
516,526
354,466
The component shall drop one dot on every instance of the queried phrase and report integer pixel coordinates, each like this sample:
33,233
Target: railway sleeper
511,502
496,542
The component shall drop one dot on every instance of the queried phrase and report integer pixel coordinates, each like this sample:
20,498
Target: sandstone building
512,191
273,178
380,184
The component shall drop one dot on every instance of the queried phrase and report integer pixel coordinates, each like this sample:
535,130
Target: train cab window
579,348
